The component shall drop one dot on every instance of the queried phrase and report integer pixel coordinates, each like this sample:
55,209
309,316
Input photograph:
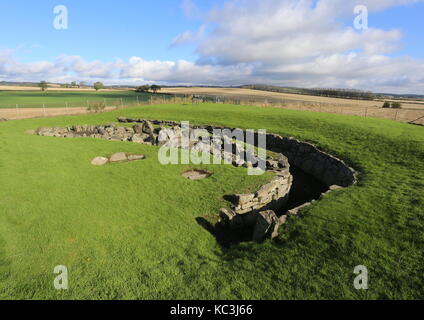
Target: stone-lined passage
255,211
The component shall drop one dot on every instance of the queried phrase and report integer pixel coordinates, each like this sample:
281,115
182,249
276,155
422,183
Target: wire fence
37,110
413,116
109,102
20,111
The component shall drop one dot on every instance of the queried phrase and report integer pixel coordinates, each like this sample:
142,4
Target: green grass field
129,231
58,99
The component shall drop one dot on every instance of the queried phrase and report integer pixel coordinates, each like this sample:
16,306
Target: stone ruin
117,157
259,212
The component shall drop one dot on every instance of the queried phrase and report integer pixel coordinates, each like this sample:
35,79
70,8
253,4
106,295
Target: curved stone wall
323,166
255,210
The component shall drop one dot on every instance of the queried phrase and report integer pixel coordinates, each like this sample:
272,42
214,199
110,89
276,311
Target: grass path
129,231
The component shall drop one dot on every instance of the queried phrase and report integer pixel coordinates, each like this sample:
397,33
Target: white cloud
190,9
305,43
189,36
272,31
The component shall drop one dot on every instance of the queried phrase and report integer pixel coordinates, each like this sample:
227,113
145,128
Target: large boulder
138,138
267,225
164,136
226,216
138,128
148,127
118,157
242,199
121,132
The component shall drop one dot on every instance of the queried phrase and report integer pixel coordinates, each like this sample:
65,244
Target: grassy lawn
57,99
129,231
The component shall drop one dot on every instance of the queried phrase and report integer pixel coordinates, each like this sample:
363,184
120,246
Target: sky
297,43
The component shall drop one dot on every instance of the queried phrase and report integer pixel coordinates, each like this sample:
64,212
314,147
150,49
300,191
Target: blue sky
409,20
106,34
100,30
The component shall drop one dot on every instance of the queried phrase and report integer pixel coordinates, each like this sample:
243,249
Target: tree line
97,85
146,88
324,92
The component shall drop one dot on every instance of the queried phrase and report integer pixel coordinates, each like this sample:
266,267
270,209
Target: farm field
58,99
52,88
412,111
32,104
129,230
286,97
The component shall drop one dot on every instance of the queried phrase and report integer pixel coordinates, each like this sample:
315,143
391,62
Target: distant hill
19,84
322,92
402,96
334,92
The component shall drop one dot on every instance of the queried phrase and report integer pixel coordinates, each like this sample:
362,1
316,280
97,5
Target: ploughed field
129,230
412,110
287,98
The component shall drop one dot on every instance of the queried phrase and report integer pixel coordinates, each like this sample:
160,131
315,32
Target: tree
155,88
73,84
43,85
386,105
98,85
142,89
97,107
396,105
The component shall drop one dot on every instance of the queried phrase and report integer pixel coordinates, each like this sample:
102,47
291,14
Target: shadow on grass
225,236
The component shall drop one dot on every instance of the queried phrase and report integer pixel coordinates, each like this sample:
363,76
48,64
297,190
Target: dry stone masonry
256,211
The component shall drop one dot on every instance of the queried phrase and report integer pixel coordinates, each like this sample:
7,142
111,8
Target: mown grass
58,99
128,231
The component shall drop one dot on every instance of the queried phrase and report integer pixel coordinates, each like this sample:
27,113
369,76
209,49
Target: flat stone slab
136,157
99,161
118,157
196,174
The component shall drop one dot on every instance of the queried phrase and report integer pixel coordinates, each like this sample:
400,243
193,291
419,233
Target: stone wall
272,196
254,209
324,167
